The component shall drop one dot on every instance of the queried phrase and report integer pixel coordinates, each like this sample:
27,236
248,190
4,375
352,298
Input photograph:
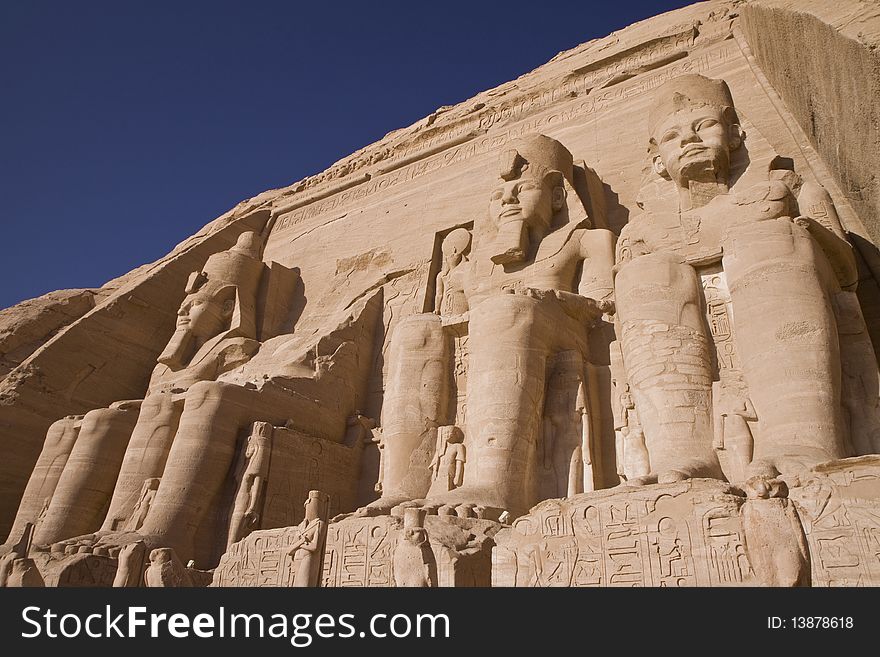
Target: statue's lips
509,212
695,149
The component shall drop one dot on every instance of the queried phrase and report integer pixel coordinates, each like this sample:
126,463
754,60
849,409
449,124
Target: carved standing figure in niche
450,296
536,278
734,231
567,436
307,551
630,450
148,492
449,459
252,479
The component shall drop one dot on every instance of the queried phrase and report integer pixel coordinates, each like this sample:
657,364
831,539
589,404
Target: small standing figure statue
450,298
449,459
413,557
307,551
377,438
142,508
254,471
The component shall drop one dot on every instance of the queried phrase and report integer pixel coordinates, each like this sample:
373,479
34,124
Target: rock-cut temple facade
613,323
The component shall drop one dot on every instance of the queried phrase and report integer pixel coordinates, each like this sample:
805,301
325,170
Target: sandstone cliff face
377,218
28,325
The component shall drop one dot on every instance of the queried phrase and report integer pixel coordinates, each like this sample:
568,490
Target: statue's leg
509,347
416,402
666,354
86,484
43,480
860,392
145,456
198,462
787,340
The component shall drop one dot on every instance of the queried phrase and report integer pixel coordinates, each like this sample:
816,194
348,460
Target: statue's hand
581,308
534,292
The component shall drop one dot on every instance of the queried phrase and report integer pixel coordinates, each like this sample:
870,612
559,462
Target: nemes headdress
536,156
685,91
239,268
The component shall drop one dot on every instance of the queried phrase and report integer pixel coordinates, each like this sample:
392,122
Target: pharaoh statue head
536,175
693,129
220,299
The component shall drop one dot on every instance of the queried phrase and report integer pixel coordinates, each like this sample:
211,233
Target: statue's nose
509,194
688,136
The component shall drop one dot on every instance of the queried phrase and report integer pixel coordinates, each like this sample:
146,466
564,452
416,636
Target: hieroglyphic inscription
719,317
650,536
261,559
83,570
640,58
359,552
840,513
728,562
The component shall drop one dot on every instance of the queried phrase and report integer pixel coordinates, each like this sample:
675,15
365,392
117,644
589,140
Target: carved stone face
203,315
527,199
695,144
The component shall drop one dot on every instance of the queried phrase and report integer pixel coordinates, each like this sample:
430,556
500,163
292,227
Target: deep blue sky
127,126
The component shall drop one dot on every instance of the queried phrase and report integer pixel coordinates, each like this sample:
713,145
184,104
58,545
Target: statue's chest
694,236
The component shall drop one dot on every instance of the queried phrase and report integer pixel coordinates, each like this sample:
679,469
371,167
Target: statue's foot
461,502
107,544
78,544
438,508
643,480
692,469
787,465
380,507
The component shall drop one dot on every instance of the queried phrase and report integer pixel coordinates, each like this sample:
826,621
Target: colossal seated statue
527,290
157,470
734,306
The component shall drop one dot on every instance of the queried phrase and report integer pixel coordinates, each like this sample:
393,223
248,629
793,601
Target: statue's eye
669,136
527,185
706,123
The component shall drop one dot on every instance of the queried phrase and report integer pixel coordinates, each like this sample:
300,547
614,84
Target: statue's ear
658,166
228,308
736,136
559,195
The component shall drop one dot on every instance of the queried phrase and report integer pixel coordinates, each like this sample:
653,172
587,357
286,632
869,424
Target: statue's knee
155,404
657,287
203,392
103,419
653,270
211,396
418,331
